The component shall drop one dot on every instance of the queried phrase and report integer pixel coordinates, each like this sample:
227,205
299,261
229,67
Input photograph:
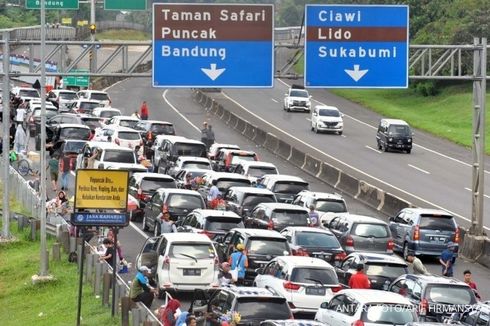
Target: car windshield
50,112
162,129
99,97
334,206
316,239
91,123
196,250
328,113
290,217
75,133
28,93
235,159
197,165
370,230
224,184
73,146
451,294
432,222
250,201
298,93
152,184
222,223
186,201
128,123
109,114
260,171
399,130
289,187
117,156
187,149
129,135
324,276
391,314
391,271
262,308
263,246
68,95
88,106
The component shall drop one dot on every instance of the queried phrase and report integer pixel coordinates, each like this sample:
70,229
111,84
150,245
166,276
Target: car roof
142,175
436,279
178,191
249,291
238,151
259,233
320,195
226,175
171,138
157,122
252,190
119,128
309,229
274,206
103,108
216,212
365,296
377,257
72,125
89,91
257,163
187,237
395,121
429,211
63,91
125,117
284,177
362,218
193,158
328,107
295,261
294,322
87,101
229,146
103,144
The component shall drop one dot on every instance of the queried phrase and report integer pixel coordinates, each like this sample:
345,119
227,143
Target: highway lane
435,174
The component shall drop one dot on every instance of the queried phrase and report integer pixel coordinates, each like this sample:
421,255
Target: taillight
423,306
457,235
165,208
340,256
337,288
117,141
166,262
416,233
358,323
349,242
290,286
390,245
270,225
206,233
300,252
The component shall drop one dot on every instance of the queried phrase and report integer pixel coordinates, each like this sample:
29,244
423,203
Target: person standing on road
239,261
211,137
471,284
141,290
204,134
359,280
20,114
417,265
20,141
314,217
166,225
53,166
447,260
65,168
213,192
144,112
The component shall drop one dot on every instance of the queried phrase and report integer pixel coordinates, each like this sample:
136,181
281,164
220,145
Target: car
224,182
174,146
261,247
62,98
305,282
105,113
216,147
68,146
189,162
181,261
285,187
366,307
327,205
277,216
479,315
394,134
242,200
381,269
297,99
255,170
314,242
213,223
437,296
123,121
362,233
34,118
69,131
122,136
99,96
252,304
142,186
26,93
325,118
228,159
295,322
423,231
181,177
90,121
63,118
82,106
151,129
176,202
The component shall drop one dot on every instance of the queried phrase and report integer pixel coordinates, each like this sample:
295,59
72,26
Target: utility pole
6,134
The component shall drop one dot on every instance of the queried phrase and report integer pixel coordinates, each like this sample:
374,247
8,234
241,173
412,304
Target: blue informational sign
356,46
213,45
99,219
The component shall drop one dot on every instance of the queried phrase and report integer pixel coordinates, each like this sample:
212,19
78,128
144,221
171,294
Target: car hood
330,119
295,98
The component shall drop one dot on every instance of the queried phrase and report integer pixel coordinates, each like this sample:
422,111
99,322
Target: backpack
73,257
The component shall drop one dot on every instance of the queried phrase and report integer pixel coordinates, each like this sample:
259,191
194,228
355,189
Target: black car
173,147
242,200
261,247
437,297
150,129
213,223
381,269
394,134
277,216
479,316
34,118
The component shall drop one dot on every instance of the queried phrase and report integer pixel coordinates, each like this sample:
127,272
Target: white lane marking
373,149
115,84
419,169
308,119
347,165
415,144
343,136
274,100
164,95
134,226
487,196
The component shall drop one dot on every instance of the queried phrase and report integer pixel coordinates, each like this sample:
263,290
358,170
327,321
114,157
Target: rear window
183,149
334,206
197,165
28,93
191,251
224,184
258,172
264,246
385,270
92,123
129,135
316,239
75,133
432,222
162,129
291,217
262,308
222,223
88,106
289,187
68,96
152,184
109,114
235,159
99,97
128,123
311,275
185,201
370,230
119,156
389,314
73,146
251,201
451,295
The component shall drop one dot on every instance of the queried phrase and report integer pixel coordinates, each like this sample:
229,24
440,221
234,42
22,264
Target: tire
405,250
144,226
156,229
312,127
379,145
23,167
409,151
288,109
340,133
385,148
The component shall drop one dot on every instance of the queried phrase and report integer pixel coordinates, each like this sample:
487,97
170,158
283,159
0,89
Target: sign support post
80,277
114,271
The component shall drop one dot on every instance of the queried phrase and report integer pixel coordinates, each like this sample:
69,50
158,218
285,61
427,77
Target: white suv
26,93
297,99
305,282
122,136
99,96
327,118
109,156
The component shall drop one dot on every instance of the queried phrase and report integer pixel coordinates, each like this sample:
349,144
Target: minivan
394,134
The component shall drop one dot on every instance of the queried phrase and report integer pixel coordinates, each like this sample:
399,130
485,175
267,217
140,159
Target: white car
189,162
255,169
26,93
99,96
297,99
123,121
122,136
181,261
305,282
361,307
326,118
62,97
328,205
83,106
157,144
110,156
105,113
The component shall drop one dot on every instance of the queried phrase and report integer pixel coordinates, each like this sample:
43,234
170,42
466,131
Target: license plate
323,256
192,272
315,291
439,239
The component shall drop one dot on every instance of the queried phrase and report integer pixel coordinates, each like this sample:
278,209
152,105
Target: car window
224,184
349,306
75,133
431,222
470,318
185,201
401,218
194,250
162,129
186,149
196,165
312,275
99,97
68,95
482,319
236,159
335,206
262,308
290,217
289,187
119,156
347,263
258,172
109,114
221,223
450,294
219,302
28,93
368,230
316,239
385,270
128,135
152,184
265,246
390,314
128,123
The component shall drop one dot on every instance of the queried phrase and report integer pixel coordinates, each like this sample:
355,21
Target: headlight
340,124
409,140
308,104
390,139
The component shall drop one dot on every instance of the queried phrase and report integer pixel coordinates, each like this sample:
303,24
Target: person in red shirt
144,111
359,280
469,281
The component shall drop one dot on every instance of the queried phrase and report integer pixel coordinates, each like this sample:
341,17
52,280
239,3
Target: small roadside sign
66,20
99,219
53,4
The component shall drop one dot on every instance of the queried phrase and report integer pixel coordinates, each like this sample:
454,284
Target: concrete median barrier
371,195
214,108
240,126
297,157
393,204
329,174
260,136
249,131
312,165
226,116
348,184
484,258
233,119
220,112
283,150
271,142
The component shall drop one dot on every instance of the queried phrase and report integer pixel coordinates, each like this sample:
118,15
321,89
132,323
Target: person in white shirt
20,115
213,192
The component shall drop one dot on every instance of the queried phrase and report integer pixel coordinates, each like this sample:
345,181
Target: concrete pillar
106,286
56,251
125,307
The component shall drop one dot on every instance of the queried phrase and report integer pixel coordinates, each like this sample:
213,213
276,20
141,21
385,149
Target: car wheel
144,226
405,250
288,109
385,148
312,127
409,151
379,145
156,229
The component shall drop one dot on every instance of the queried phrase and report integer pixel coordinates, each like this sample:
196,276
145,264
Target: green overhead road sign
77,81
53,4
125,4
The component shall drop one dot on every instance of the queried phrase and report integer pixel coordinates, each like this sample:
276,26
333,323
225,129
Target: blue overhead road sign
358,46
213,45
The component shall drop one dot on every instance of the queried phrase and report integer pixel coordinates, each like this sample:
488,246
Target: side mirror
259,271
391,219
315,114
324,305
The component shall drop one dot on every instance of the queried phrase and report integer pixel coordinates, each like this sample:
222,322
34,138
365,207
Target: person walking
204,134
211,138
141,290
239,262
144,112
20,139
447,260
359,280
417,265
471,284
53,166
20,114
166,224
314,217
65,168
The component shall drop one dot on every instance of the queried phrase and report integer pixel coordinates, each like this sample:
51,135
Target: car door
333,315
148,255
153,209
398,226
344,272
264,278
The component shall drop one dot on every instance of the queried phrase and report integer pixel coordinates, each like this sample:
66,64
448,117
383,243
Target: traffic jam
254,246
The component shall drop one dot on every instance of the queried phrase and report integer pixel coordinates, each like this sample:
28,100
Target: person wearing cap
417,265
224,275
359,280
239,261
204,134
141,290
447,260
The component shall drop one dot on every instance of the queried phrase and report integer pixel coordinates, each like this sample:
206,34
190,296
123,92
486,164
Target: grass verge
123,35
54,303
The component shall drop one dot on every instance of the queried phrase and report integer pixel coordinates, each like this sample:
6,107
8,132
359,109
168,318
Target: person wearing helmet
239,262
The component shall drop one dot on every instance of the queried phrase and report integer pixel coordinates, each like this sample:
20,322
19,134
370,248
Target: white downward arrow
213,73
356,74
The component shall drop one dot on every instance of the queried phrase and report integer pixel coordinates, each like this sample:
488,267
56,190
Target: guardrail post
117,295
65,241
79,256
33,225
56,251
90,267
106,285
20,223
98,277
135,312
73,244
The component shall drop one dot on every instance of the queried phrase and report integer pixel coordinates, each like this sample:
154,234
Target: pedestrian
109,256
20,141
204,133
91,159
211,138
471,284
188,181
213,192
166,224
13,129
110,236
65,168
359,280
314,217
224,276
239,263
167,315
53,166
144,112
61,83
447,260
141,290
20,114
417,265
136,115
